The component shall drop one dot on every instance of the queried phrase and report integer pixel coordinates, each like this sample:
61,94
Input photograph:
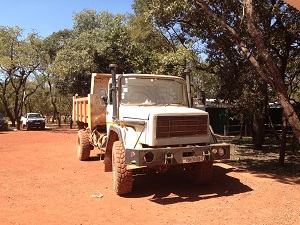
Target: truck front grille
179,126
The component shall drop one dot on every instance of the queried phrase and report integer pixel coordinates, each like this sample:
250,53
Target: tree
159,51
99,39
225,70
246,94
19,61
252,31
57,89
262,61
96,41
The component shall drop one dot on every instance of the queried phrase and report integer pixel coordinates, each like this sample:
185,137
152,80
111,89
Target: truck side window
103,97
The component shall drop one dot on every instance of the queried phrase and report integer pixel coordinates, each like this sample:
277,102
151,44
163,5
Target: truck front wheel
122,177
201,173
83,145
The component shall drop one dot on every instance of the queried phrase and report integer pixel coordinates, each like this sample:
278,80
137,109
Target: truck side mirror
103,100
103,97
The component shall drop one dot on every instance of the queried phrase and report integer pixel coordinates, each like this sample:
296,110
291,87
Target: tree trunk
56,113
273,76
283,141
13,122
289,112
58,119
258,132
18,123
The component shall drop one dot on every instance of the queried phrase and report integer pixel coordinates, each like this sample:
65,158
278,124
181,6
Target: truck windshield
152,91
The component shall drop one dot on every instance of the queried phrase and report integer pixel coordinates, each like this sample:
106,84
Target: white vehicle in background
23,121
33,120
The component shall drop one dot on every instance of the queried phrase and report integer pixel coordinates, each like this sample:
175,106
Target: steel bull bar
151,157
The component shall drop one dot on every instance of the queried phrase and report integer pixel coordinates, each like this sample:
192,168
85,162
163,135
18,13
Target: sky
48,16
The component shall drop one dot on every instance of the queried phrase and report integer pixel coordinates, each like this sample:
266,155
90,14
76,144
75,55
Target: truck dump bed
90,111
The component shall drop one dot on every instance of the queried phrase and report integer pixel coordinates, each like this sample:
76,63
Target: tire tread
83,145
123,177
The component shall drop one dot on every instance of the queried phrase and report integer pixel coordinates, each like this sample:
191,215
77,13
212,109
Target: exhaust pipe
113,68
187,73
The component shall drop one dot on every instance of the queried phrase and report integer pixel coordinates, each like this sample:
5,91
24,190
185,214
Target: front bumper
36,124
151,157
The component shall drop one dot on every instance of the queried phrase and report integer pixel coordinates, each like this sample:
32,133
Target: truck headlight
214,151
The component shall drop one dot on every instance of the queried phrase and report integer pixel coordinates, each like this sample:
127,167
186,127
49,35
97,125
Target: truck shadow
171,188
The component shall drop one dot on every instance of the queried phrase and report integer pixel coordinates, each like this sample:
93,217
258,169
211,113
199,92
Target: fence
242,130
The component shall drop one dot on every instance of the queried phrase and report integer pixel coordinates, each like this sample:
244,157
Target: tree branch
202,4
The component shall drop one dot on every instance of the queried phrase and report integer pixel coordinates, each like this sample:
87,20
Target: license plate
37,123
191,159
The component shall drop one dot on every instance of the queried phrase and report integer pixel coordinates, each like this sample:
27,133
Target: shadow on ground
288,173
170,188
266,160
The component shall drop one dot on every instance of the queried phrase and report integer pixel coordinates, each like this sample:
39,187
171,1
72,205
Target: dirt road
43,182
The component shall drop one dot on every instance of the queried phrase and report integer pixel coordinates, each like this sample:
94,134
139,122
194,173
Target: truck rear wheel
201,173
83,145
122,177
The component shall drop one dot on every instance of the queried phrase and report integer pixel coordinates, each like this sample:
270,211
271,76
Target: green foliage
19,63
99,39
96,41
220,29
67,58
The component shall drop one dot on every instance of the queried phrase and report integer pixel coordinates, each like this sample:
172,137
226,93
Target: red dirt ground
43,182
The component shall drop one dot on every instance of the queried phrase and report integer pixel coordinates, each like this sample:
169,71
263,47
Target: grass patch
265,160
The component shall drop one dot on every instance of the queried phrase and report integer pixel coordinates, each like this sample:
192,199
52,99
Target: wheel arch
114,134
81,125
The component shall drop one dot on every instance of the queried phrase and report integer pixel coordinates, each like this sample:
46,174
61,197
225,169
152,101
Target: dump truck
145,123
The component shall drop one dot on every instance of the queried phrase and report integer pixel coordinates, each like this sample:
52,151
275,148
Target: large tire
83,145
122,177
201,173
